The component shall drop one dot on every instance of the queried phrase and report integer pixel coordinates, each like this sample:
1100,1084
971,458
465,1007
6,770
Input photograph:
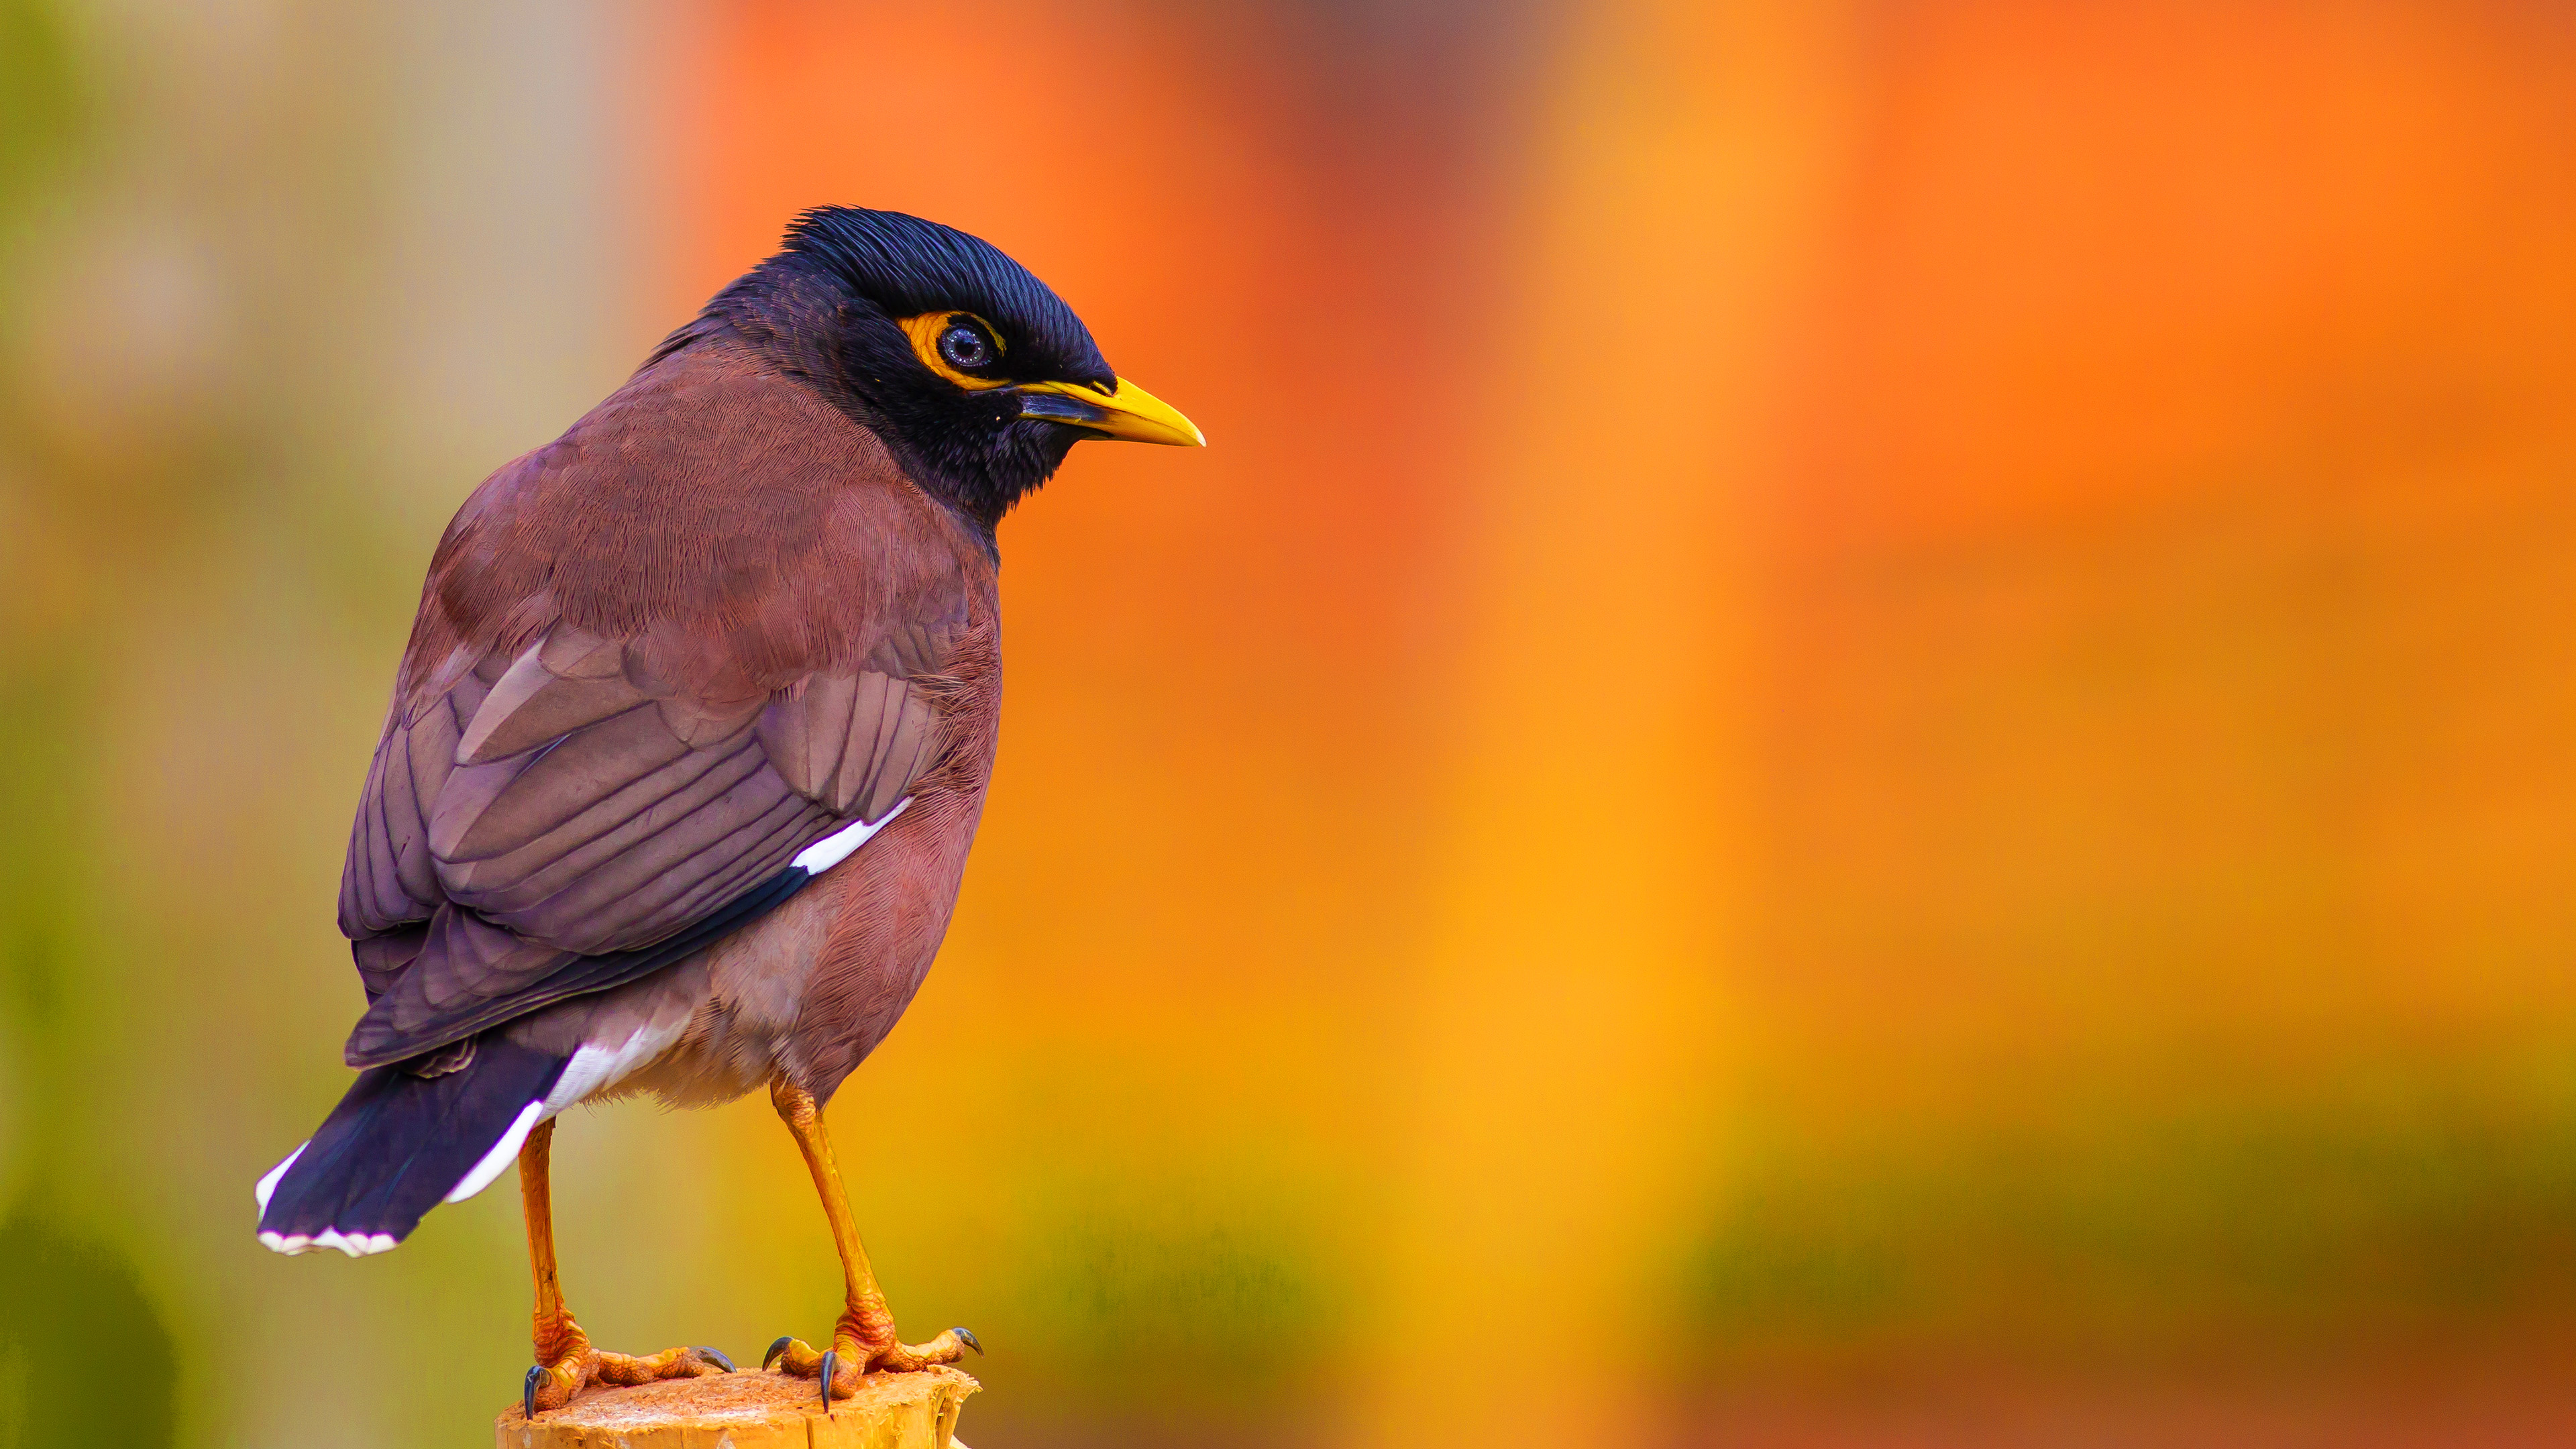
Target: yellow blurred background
1862,734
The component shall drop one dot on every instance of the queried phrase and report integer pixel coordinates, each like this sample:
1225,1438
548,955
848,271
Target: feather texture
654,661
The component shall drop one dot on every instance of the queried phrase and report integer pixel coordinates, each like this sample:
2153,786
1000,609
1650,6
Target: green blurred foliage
40,98
77,1329
80,1345
2353,1215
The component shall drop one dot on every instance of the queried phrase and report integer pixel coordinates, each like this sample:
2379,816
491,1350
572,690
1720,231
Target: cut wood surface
751,1411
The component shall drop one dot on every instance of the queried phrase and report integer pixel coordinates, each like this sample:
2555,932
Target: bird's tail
403,1141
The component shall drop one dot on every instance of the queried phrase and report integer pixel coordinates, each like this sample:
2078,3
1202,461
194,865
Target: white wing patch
592,1070
841,844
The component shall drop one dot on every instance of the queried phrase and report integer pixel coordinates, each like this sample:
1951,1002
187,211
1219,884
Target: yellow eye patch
930,342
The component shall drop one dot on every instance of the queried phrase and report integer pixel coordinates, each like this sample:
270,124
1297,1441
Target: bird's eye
965,347
959,346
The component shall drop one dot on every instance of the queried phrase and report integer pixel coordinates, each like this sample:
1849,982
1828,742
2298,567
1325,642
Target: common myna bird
689,744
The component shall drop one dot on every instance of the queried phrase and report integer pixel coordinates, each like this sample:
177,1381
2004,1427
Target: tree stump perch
750,1411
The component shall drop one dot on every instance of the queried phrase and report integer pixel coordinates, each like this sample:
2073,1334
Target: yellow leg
566,1363
864,1339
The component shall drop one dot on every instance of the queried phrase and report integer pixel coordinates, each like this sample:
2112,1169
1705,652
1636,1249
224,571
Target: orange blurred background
1854,737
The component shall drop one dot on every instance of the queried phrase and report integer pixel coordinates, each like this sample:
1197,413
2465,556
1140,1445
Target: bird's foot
574,1365
850,1358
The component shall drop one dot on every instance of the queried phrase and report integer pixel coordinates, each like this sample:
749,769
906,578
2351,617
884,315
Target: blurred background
1860,736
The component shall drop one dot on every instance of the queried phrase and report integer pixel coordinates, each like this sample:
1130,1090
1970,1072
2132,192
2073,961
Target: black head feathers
909,266
834,310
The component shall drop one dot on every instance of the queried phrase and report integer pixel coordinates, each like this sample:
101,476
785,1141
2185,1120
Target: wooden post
751,1411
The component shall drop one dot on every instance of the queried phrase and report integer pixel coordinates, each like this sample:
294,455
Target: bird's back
668,670
692,733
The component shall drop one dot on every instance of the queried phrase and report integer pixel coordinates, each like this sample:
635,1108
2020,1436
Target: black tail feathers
400,1143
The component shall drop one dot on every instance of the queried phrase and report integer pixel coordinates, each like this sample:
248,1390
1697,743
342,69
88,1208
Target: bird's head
978,377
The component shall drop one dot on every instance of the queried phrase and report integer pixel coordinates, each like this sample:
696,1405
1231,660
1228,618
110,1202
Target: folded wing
572,804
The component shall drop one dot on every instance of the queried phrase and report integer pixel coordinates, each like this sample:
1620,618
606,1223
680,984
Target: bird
688,746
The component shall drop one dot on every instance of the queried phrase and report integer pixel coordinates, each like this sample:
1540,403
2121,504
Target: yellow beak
1126,411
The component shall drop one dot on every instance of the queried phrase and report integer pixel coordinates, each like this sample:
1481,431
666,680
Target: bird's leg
563,1350
864,1338
566,1363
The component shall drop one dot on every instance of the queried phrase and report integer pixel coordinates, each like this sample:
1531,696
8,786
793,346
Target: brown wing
616,747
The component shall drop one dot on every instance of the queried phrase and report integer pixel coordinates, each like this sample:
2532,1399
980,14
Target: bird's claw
551,1385
860,1358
